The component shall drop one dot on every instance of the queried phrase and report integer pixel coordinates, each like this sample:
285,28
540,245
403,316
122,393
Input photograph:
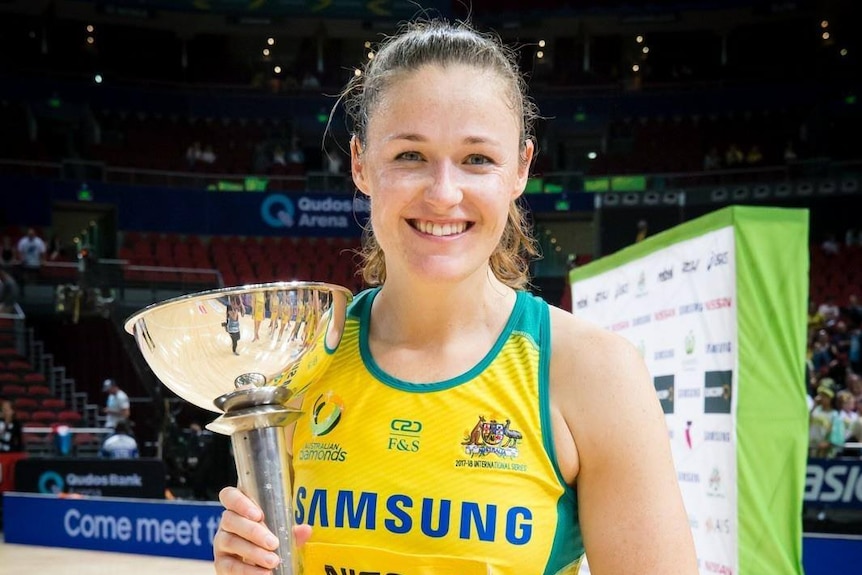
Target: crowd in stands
834,356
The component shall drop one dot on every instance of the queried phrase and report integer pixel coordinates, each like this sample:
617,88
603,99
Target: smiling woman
441,148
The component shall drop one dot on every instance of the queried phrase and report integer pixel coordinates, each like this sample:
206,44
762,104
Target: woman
463,420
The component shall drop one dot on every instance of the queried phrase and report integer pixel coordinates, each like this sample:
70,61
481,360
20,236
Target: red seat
12,390
26,403
44,416
39,390
54,403
69,417
33,377
19,365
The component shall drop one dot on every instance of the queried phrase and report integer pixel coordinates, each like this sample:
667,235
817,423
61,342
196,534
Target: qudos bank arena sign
335,213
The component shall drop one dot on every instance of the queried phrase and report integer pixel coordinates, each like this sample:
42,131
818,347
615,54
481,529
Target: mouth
440,230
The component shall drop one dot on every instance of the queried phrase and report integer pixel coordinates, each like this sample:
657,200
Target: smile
439,230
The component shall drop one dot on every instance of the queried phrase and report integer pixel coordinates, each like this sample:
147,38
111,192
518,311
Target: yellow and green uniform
449,478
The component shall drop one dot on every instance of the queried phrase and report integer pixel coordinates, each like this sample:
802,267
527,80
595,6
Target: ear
356,167
525,160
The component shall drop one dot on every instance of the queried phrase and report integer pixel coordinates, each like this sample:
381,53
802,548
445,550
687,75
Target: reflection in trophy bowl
276,337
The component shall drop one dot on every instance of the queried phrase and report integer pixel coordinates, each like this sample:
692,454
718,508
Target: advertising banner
717,306
831,483
147,527
676,305
92,476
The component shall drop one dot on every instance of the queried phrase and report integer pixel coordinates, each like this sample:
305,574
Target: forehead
436,93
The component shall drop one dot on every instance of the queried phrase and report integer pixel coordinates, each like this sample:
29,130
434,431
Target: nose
444,189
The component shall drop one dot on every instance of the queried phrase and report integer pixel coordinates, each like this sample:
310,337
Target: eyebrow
413,137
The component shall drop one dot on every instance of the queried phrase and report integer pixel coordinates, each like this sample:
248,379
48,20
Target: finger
229,565
255,532
237,501
236,554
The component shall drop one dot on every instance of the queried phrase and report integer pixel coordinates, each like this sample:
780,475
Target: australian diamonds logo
325,416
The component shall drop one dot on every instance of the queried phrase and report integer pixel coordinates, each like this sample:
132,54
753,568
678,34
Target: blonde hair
437,42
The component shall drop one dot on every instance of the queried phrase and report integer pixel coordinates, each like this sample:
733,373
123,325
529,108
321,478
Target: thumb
301,534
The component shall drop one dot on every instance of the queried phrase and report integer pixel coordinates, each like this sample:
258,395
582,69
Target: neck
424,314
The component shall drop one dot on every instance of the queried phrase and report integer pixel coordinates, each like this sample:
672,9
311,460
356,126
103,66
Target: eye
478,160
411,156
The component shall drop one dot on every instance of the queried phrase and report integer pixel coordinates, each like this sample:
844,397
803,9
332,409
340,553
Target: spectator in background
278,156
11,438
829,310
854,350
815,320
733,157
754,156
830,245
712,159
296,156
193,155
845,404
821,420
208,156
117,407
55,248
7,253
642,231
854,310
31,254
854,386
120,444
851,237
822,353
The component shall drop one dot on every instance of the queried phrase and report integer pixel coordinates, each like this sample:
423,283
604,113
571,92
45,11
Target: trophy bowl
248,352
284,344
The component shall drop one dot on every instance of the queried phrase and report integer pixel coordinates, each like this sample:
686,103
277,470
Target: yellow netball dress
457,477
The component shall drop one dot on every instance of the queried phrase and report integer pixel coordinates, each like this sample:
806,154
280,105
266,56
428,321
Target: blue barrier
186,529
830,554
145,527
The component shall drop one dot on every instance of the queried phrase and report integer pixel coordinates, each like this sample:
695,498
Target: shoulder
582,346
597,376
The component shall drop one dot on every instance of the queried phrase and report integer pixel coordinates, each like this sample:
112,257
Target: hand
243,544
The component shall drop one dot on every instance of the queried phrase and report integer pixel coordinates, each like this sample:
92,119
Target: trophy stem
261,453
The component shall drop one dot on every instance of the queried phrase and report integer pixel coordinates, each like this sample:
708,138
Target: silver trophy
248,353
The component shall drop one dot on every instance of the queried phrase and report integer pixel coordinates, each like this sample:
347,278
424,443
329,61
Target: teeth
441,229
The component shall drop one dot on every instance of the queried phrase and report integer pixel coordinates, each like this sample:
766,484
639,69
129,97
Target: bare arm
630,506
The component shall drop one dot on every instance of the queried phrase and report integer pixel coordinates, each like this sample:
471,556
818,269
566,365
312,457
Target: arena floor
60,561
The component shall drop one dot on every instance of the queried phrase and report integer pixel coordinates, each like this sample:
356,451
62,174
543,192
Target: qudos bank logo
51,482
278,211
